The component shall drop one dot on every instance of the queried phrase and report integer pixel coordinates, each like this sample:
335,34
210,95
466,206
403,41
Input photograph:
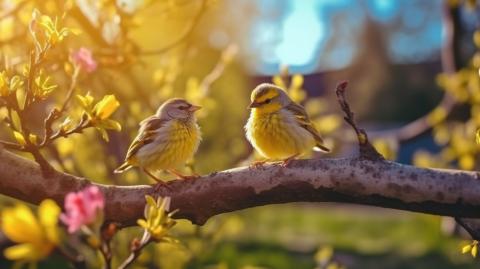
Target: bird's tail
321,147
122,168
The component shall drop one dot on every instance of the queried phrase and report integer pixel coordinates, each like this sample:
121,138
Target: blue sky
299,32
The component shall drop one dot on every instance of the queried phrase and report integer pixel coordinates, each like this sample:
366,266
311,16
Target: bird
165,140
278,128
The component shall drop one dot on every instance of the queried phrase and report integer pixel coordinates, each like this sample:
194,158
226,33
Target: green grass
287,236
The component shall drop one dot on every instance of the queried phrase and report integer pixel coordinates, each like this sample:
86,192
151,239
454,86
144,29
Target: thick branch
352,180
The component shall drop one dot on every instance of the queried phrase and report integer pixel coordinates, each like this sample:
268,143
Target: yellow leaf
85,101
20,138
19,224
26,252
441,134
297,81
105,107
16,121
324,254
437,115
386,147
33,139
66,124
68,68
466,162
49,212
150,200
422,158
110,125
4,91
476,38
75,31
15,83
328,123
474,251
104,134
277,80
466,248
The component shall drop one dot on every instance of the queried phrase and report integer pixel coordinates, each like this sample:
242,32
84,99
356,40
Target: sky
300,33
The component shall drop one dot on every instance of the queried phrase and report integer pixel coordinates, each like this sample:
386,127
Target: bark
349,180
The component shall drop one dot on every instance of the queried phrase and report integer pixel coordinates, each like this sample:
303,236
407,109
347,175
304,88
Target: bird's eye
268,101
182,107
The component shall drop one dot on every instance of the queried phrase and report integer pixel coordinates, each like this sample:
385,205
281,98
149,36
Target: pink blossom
82,208
83,58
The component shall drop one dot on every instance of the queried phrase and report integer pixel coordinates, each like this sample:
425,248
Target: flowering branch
57,113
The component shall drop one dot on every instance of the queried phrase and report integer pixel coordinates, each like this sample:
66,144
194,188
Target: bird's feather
147,133
303,120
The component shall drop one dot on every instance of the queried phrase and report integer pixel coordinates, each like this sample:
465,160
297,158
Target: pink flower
83,58
82,208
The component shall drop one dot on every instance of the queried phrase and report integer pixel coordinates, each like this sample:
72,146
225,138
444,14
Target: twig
106,252
11,145
89,28
83,124
366,149
105,248
217,71
57,113
136,249
448,102
184,36
471,226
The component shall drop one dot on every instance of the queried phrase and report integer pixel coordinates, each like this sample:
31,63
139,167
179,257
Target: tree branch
350,180
184,35
448,102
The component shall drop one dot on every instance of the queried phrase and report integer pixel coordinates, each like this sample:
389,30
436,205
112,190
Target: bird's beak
253,105
194,108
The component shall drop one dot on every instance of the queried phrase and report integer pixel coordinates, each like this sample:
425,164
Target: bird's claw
191,177
257,164
287,161
159,185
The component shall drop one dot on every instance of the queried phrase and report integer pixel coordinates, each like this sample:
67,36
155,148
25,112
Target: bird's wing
303,120
146,134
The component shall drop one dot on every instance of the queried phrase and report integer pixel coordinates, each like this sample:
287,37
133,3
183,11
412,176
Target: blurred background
414,85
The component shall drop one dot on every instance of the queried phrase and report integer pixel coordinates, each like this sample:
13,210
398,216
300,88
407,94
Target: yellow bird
278,128
165,140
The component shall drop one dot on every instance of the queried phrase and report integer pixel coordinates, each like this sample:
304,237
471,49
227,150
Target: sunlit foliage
76,78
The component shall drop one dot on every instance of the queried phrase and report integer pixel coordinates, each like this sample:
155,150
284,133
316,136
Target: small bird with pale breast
278,128
165,140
